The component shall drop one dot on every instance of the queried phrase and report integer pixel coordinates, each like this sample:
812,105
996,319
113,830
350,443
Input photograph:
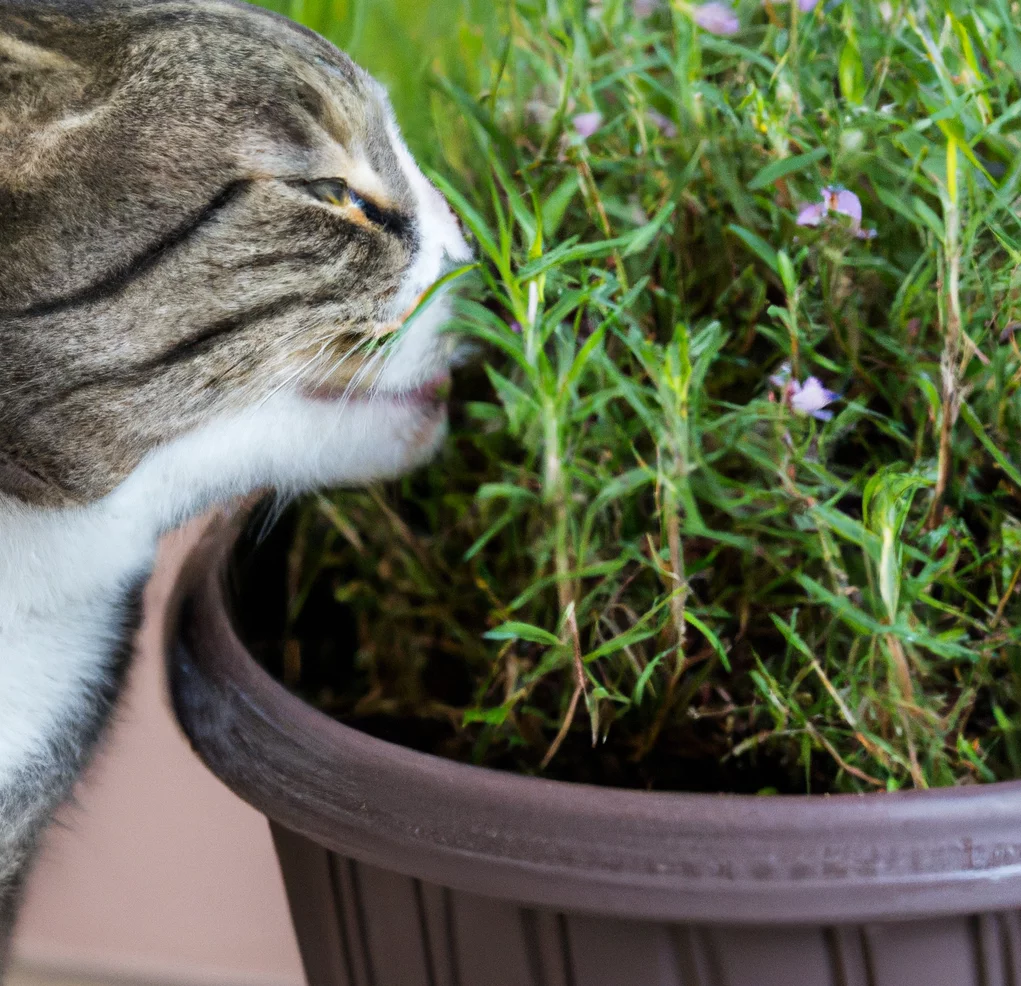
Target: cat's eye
337,192
334,191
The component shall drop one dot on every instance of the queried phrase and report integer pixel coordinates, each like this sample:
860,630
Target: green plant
404,43
737,500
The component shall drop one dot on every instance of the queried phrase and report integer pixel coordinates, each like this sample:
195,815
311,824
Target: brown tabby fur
125,127
163,263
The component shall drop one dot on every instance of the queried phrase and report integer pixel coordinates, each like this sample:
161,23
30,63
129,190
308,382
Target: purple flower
840,201
586,124
716,18
664,124
812,215
782,376
645,8
845,203
810,397
803,5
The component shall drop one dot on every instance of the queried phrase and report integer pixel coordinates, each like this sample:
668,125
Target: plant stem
951,370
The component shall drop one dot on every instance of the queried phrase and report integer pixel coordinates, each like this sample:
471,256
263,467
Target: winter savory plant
732,500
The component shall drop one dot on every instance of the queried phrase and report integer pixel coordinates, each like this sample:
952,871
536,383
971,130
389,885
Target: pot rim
724,858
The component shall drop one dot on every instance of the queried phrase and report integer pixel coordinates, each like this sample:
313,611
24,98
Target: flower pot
404,869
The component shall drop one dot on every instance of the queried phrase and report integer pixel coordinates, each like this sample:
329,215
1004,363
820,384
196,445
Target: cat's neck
54,558
68,579
50,557
69,582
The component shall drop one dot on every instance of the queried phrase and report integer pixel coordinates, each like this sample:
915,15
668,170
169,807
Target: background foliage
640,560
406,44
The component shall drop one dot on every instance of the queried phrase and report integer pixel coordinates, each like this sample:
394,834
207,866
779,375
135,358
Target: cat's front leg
16,853
60,674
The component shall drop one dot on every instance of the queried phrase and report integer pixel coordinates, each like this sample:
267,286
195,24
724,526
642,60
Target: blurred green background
406,44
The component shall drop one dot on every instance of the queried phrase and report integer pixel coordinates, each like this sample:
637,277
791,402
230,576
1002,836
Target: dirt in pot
413,685
316,655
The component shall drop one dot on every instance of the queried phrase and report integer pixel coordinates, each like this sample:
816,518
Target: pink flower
645,8
840,201
716,18
810,397
803,5
586,124
664,124
812,215
845,203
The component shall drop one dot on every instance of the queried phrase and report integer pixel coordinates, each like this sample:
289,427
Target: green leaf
495,716
966,751
647,672
513,630
850,614
644,234
555,204
584,354
492,491
470,215
975,425
954,131
792,637
785,166
787,273
886,505
758,246
851,73
633,636
519,405
488,536
714,641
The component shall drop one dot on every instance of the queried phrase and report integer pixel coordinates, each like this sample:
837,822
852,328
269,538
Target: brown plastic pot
404,869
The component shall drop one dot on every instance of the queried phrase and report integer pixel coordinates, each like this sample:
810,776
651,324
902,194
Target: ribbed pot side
404,869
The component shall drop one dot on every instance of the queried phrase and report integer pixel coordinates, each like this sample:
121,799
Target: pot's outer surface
404,868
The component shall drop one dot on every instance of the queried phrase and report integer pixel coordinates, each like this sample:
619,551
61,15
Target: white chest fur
64,578
65,575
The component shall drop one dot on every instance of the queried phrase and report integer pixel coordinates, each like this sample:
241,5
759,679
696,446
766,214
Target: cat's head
208,222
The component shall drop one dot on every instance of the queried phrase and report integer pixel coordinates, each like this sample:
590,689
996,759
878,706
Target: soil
691,758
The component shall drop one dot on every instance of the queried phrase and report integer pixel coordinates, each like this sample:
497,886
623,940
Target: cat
210,231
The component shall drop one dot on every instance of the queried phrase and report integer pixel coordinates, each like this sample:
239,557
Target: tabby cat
209,229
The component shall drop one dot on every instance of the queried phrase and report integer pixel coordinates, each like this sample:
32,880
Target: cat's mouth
383,329
429,396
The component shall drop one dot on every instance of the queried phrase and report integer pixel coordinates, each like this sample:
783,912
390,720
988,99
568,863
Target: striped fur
182,320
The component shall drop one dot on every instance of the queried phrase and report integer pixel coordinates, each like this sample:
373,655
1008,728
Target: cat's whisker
332,368
153,306
324,343
255,352
294,375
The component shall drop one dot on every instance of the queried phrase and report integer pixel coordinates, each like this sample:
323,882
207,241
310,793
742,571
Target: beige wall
160,874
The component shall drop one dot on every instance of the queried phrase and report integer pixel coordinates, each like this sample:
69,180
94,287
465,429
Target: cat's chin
428,398
292,442
415,418
367,437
